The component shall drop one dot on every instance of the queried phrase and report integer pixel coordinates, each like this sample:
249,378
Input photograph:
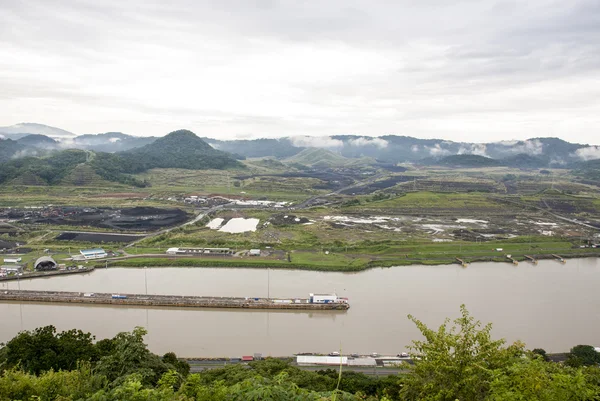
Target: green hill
467,160
38,141
84,175
180,149
523,160
317,157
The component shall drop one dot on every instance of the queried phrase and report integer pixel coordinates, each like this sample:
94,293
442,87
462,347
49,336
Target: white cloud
362,141
589,153
414,148
2,136
462,70
24,153
316,142
507,142
479,149
437,150
531,147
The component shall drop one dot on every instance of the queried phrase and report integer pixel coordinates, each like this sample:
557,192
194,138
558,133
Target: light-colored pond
239,225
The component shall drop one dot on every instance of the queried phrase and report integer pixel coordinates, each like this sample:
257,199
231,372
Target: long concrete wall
177,301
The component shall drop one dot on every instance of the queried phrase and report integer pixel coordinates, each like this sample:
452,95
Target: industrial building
96,253
199,251
45,263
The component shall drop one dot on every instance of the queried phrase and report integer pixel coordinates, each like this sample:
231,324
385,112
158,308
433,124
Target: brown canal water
549,305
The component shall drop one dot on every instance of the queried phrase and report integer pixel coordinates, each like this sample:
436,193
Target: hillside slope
180,149
317,157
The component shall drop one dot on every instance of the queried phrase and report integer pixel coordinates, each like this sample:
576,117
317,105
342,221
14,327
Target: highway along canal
550,305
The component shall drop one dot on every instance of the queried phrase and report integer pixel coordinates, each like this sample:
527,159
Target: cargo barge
332,302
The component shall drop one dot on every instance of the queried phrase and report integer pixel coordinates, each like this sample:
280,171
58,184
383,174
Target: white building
95,253
12,260
321,360
322,298
199,251
254,252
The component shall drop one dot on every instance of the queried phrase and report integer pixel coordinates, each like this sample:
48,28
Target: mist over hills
30,139
23,129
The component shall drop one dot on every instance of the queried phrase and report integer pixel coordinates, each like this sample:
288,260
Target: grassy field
428,200
368,255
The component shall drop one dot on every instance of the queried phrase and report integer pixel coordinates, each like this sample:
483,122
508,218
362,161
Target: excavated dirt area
97,237
129,219
445,228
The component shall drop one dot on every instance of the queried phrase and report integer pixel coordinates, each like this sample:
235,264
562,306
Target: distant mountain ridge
23,129
111,142
542,151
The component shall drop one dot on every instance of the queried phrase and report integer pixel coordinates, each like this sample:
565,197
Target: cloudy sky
470,70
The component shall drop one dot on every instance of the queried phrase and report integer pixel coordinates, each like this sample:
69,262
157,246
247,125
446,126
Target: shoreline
142,262
198,263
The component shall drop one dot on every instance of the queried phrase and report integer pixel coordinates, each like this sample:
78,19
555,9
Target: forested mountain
80,167
463,161
38,141
280,148
181,149
9,149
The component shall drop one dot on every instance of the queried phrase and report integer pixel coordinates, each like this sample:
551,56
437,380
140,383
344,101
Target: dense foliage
8,149
181,149
53,169
454,362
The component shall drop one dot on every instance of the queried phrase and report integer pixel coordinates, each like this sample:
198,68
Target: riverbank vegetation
458,361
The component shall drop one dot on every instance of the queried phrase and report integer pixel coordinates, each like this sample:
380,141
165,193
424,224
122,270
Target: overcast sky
472,70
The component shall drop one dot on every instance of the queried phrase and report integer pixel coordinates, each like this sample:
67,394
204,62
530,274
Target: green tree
456,362
542,353
533,379
182,367
583,355
43,349
131,356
